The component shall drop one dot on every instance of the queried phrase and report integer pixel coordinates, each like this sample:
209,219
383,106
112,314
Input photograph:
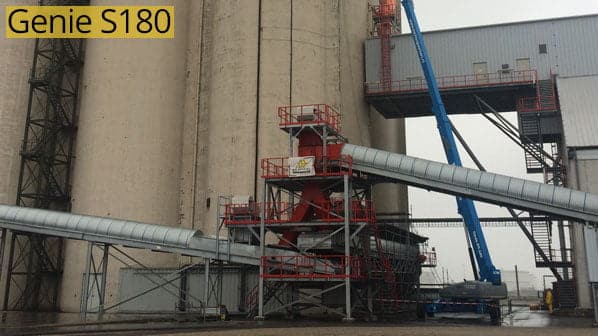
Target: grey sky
508,245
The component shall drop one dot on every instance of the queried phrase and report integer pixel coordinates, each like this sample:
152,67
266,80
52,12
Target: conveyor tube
488,187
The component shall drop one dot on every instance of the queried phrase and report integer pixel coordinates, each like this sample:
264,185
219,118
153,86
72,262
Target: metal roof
579,102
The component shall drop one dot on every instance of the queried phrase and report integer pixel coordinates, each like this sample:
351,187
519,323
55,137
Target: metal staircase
542,233
546,95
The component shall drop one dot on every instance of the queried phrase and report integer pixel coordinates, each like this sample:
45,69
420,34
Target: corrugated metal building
563,47
554,44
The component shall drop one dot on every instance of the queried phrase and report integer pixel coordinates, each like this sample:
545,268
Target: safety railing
314,114
332,211
557,256
502,78
428,259
536,104
545,99
386,11
312,267
278,167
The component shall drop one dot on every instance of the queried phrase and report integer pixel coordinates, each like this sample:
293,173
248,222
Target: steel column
85,289
105,255
347,200
260,315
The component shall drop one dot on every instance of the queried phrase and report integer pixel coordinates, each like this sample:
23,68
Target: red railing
541,102
327,166
313,267
385,11
515,77
314,114
536,104
428,259
332,211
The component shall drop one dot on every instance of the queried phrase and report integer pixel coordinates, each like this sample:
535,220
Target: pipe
111,231
488,187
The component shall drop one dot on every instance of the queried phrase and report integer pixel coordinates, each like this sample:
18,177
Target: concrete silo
292,53
128,152
167,126
15,56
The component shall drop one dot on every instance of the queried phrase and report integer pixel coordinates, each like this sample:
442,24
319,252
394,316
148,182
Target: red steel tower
318,207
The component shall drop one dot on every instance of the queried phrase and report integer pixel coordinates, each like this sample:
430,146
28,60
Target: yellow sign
89,22
302,166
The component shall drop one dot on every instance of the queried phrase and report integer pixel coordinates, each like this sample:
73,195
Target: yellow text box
89,22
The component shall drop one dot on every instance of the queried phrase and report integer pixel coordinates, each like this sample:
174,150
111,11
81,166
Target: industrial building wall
255,57
570,49
167,126
15,63
128,151
578,101
582,174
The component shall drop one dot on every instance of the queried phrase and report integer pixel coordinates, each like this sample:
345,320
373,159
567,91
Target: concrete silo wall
128,151
16,56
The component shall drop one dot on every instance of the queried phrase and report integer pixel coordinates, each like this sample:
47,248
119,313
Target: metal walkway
160,238
487,187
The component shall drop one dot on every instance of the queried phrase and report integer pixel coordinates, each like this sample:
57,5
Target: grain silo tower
165,127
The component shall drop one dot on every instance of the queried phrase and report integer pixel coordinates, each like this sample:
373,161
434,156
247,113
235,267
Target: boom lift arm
466,208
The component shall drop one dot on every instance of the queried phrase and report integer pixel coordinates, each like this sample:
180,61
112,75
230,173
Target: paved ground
401,330
521,322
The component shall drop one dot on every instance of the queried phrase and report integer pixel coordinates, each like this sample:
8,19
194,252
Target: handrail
313,267
331,211
278,167
514,77
313,114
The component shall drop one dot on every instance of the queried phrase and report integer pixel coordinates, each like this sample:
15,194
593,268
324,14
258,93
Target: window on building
543,49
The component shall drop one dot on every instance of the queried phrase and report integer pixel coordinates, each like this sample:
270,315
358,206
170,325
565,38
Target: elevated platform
410,98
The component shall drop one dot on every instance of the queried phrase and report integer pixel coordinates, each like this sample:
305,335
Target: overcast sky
508,245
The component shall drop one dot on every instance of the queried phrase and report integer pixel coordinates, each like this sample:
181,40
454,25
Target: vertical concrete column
315,74
275,76
16,57
582,176
228,96
128,152
194,125
389,135
352,29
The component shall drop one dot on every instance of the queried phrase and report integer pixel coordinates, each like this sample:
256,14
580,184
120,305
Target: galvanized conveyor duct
488,187
128,233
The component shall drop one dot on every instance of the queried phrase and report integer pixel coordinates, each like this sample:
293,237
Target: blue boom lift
483,294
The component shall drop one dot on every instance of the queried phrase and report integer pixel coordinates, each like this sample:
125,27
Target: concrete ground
521,322
399,330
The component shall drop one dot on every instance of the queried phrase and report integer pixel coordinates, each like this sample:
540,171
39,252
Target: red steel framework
314,267
545,99
278,167
313,115
385,18
329,211
315,213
